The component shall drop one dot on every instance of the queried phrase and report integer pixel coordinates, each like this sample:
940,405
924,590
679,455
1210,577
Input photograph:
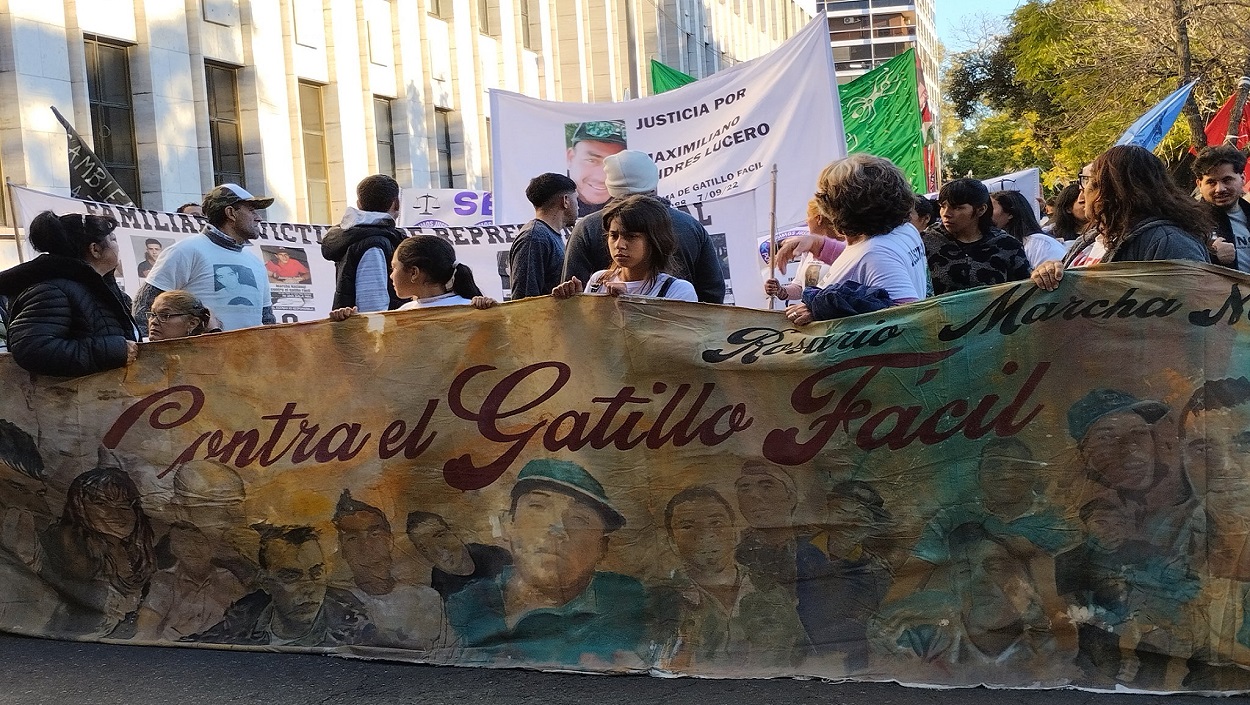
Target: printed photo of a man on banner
588,144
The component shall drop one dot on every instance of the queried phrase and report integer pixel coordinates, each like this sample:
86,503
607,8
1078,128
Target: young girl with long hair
641,243
425,271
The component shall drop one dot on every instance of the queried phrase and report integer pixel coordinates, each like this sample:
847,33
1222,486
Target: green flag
881,116
664,78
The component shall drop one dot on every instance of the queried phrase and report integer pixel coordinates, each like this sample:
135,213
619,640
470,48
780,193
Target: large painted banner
1002,486
716,137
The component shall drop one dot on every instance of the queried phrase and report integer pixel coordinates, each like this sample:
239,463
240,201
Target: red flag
1217,128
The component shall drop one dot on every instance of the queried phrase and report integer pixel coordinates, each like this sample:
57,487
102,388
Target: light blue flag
1150,128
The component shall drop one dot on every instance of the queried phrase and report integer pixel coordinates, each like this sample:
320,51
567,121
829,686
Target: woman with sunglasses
178,314
1138,214
68,317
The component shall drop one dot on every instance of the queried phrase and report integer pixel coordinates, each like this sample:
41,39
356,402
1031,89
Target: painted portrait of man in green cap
588,144
552,606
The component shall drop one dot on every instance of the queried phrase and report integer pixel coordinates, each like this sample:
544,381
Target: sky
953,16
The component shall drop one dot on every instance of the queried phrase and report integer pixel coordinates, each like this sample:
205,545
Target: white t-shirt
678,290
451,298
233,285
1040,247
894,261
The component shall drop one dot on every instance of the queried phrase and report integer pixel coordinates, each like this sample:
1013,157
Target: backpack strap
668,282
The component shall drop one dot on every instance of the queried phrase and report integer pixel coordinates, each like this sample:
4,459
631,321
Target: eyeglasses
1083,180
164,317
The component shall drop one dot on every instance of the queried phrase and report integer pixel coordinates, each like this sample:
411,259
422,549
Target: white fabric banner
716,137
1027,182
483,248
444,207
306,296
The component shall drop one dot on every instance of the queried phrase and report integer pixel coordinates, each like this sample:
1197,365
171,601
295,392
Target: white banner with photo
716,137
301,283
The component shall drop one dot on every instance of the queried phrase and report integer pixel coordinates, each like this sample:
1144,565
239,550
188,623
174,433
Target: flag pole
772,236
17,240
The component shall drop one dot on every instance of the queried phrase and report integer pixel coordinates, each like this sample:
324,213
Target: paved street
38,672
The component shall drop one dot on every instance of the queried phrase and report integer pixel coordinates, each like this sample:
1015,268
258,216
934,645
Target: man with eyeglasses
193,264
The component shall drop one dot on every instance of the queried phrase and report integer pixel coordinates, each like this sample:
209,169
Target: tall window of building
527,39
485,26
442,135
223,123
487,163
316,168
439,8
112,112
385,135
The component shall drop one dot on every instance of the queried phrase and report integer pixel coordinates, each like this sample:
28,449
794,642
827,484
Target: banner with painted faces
1003,486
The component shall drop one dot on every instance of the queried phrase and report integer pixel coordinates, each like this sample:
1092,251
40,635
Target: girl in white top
424,269
641,242
1013,213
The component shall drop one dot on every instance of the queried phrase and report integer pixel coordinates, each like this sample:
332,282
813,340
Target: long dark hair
70,235
647,215
972,193
1067,227
1023,223
104,484
436,259
1134,185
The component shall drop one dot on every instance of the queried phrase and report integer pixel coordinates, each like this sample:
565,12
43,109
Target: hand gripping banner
1003,486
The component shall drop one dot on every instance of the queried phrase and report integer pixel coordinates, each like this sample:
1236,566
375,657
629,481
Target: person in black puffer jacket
67,316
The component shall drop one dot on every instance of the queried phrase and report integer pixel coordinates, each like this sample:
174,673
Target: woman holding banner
1014,214
868,201
424,270
68,317
1138,215
641,242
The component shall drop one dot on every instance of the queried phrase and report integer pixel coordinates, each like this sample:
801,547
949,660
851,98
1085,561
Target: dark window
385,135
527,40
112,112
439,8
223,124
316,169
485,26
442,134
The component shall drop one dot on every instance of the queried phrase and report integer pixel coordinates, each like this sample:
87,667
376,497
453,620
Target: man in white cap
201,264
632,172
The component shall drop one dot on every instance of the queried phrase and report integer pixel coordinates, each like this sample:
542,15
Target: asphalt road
37,671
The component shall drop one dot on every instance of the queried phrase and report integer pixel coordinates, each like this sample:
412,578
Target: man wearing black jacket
361,247
1220,176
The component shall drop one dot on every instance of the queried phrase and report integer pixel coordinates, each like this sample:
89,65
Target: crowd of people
878,244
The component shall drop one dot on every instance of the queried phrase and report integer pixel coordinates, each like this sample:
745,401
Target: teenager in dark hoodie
361,246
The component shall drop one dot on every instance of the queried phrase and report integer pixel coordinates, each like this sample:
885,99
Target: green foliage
996,144
1084,70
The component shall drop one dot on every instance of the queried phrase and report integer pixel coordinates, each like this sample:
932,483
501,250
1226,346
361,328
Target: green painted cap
571,479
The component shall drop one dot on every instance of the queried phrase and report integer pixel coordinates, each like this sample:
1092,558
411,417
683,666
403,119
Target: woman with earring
68,317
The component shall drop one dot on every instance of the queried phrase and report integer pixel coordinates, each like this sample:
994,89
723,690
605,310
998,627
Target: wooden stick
17,240
772,236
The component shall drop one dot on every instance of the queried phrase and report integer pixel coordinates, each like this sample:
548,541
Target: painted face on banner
586,169
439,546
1222,186
297,579
1217,447
1109,528
192,548
365,544
111,515
1119,452
703,534
556,541
998,588
764,500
